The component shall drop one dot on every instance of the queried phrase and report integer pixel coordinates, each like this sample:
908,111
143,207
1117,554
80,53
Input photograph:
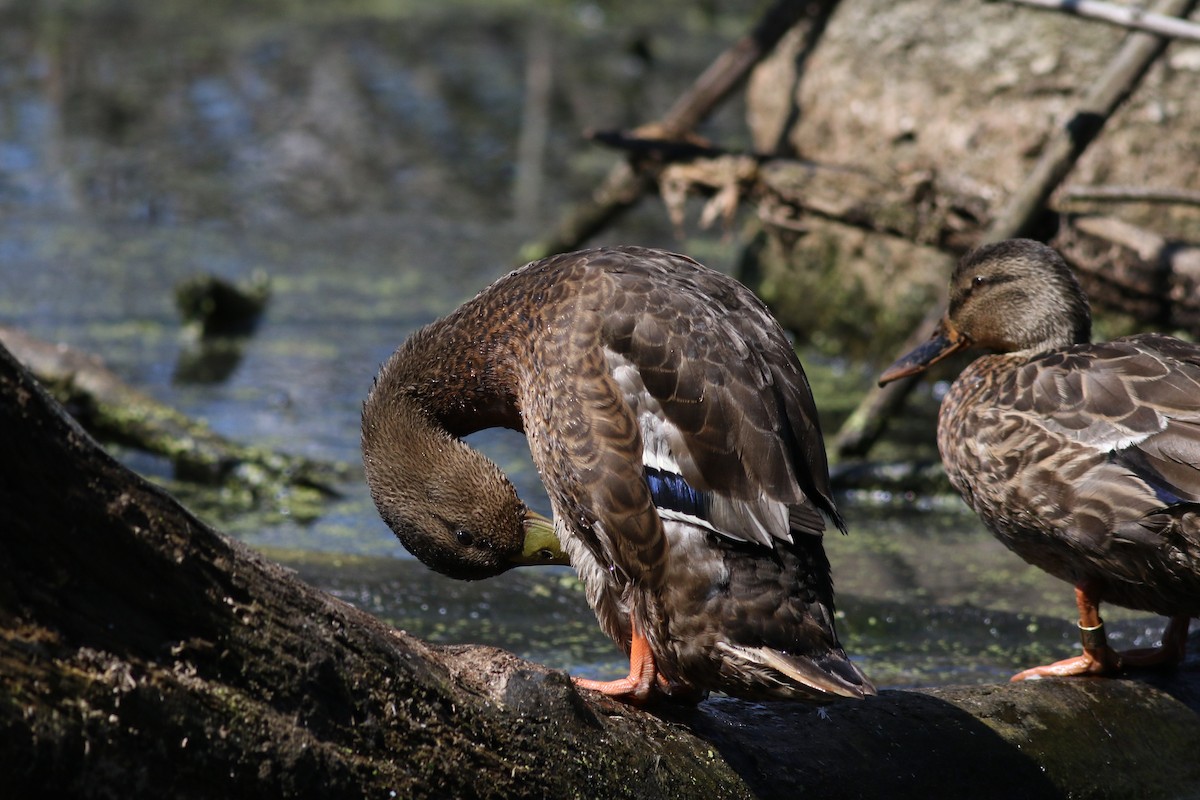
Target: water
365,162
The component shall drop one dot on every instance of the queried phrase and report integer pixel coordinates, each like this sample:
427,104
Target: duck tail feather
831,673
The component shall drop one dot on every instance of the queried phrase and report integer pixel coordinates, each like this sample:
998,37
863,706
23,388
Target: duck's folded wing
721,399
1136,400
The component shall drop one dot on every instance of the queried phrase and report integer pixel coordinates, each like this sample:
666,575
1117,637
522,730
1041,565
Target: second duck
1082,458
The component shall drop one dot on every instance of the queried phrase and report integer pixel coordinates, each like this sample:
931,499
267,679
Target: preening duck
676,435
1082,458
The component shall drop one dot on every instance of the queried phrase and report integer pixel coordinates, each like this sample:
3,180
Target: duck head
1016,296
448,504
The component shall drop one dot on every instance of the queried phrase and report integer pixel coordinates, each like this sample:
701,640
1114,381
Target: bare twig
1132,194
1124,16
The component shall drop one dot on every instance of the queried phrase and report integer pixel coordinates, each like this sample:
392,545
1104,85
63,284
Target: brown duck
1082,458
676,436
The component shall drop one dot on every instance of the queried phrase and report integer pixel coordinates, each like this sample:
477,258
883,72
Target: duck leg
1171,651
1097,659
642,677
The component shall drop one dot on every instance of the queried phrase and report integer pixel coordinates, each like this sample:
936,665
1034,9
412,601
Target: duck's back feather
730,398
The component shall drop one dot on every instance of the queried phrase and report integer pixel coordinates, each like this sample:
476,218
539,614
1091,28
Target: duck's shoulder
1119,379
662,311
1106,395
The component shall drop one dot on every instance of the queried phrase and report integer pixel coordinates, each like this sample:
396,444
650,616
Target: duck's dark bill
940,345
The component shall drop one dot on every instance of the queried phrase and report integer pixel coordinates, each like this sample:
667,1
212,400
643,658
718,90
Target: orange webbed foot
1097,659
1101,661
639,684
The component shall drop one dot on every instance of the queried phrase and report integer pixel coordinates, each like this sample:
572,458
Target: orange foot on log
1100,659
641,680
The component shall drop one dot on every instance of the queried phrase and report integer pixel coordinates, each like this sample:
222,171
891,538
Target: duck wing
658,388
1135,399
729,428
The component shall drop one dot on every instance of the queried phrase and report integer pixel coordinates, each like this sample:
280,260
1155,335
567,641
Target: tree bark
142,654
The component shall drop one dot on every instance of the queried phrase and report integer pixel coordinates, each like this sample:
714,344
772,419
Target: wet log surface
143,654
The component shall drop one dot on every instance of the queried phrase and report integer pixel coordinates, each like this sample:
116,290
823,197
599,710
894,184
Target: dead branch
1128,17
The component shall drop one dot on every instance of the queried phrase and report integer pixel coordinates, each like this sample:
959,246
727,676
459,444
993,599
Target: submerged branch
114,410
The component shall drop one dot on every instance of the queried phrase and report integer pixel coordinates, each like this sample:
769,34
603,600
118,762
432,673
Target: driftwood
626,184
142,654
115,411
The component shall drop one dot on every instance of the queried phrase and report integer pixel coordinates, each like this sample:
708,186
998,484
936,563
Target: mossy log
115,411
142,654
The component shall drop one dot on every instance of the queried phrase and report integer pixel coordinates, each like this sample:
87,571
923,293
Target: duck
1082,458
675,433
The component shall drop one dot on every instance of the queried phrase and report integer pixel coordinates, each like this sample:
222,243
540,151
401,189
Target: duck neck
456,371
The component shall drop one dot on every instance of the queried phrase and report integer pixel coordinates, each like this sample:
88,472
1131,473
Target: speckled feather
595,354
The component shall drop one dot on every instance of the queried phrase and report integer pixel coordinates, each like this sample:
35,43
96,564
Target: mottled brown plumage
676,436
1082,458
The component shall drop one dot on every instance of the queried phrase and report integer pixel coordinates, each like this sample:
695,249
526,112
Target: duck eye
465,538
978,280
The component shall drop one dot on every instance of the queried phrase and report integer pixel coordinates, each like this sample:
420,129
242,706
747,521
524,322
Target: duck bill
945,340
541,545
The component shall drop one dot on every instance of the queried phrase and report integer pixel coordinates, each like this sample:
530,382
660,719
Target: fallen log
142,654
115,411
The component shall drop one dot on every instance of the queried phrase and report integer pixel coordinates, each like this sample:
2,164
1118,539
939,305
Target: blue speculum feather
670,491
1162,490
1167,498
